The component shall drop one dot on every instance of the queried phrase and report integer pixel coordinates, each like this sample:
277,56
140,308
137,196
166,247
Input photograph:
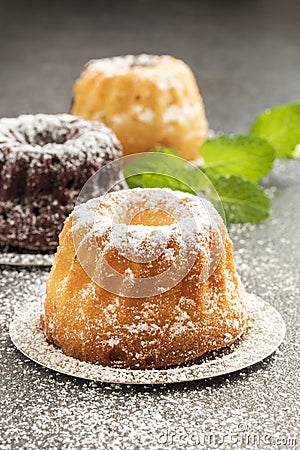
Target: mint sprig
241,200
280,126
246,156
165,168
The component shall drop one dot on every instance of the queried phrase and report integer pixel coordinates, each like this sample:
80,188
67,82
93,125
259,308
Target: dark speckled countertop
246,57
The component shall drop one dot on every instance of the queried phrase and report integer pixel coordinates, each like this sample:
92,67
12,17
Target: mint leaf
296,152
168,151
247,156
164,168
158,180
242,200
281,127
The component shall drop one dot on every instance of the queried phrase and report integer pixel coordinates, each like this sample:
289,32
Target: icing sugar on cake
44,162
150,268
111,66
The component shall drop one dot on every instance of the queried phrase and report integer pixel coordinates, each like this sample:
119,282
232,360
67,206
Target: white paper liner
265,332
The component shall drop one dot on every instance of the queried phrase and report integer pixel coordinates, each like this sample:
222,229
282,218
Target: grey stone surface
246,57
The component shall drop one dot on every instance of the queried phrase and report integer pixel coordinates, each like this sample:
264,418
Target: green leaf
281,127
242,200
158,180
296,153
247,156
164,168
168,151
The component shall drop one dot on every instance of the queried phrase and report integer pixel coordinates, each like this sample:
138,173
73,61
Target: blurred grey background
245,54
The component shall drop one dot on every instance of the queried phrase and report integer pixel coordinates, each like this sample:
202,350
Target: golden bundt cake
149,101
143,278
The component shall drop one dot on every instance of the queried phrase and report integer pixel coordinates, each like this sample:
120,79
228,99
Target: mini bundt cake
44,162
143,278
149,101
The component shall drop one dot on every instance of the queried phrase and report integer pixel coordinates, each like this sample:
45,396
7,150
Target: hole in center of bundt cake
47,137
152,217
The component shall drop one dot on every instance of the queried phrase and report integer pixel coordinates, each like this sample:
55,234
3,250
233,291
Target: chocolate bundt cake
144,278
44,162
149,101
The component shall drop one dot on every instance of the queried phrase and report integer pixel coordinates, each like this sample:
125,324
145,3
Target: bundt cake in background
143,278
44,162
148,101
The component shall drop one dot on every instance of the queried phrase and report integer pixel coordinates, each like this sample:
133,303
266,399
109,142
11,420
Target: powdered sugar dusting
145,115
44,162
108,220
181,114
145,66
121,64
